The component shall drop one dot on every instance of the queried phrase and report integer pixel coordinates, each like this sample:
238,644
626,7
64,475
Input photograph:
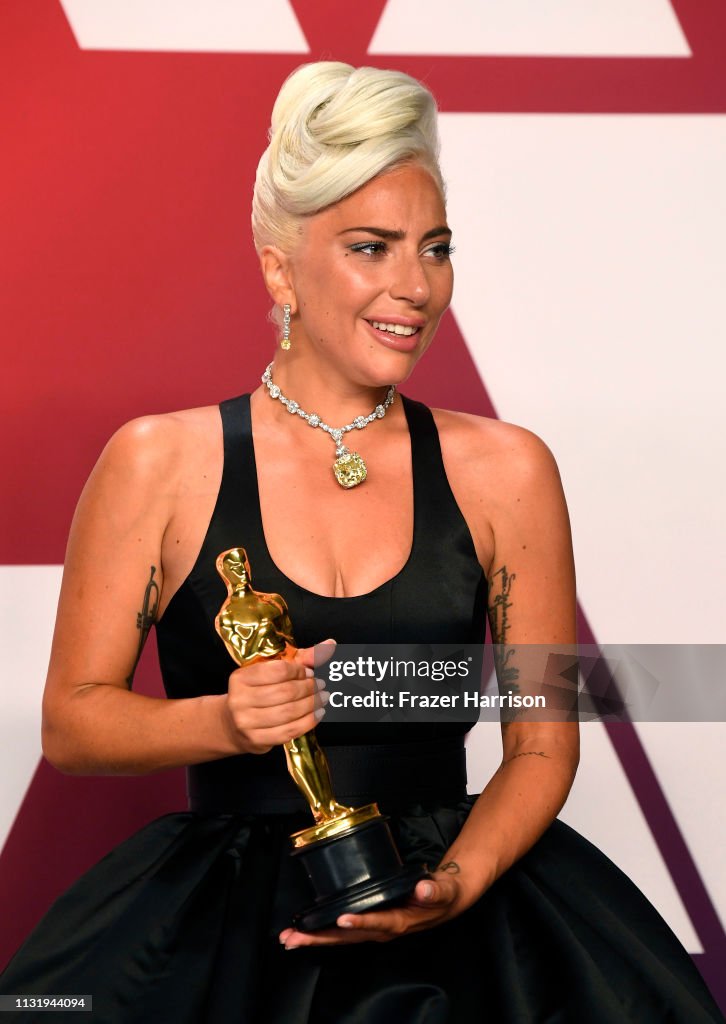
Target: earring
285,342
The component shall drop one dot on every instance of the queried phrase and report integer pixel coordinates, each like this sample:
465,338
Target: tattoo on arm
451,867
523,753
499,605
145,619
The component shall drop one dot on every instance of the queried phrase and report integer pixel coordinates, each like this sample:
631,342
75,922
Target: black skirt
180,924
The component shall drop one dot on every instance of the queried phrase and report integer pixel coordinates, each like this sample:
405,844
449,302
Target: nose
410,281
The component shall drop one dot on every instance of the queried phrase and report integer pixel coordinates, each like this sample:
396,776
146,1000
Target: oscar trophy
348,854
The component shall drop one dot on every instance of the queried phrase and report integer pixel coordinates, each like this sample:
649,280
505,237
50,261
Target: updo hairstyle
334,128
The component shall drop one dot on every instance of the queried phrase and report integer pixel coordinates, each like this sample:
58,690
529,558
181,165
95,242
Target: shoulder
505,481
149,462
484,446
160,443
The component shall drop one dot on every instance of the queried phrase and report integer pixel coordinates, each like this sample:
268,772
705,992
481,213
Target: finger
266,672
274,736
328,937
435,892
317,655
284,714
381,926
387,924
373,923
375,926
291,691
296,710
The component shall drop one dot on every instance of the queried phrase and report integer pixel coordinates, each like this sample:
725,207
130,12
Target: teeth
394,328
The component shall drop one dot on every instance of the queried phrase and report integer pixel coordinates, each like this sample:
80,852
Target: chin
382,372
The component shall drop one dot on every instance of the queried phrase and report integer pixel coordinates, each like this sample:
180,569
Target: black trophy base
373,896
352,872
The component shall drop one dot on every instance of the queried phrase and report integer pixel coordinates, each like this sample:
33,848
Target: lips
403,337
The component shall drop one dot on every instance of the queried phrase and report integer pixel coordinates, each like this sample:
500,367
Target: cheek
337,291
445,288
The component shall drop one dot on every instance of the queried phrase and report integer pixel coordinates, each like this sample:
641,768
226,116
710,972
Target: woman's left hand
433,901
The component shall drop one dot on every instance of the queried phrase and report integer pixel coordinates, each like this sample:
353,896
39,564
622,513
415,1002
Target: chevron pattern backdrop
585,152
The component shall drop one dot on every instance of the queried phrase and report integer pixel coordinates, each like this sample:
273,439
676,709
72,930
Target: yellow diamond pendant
350,469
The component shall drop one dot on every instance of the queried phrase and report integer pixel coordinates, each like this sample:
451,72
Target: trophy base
354,870
373,895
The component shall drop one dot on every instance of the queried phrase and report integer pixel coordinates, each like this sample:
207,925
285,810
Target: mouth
402,337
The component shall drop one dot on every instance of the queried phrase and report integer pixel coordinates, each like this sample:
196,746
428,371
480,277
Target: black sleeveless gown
179,924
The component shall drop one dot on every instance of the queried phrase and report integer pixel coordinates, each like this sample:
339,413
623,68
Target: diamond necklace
349,468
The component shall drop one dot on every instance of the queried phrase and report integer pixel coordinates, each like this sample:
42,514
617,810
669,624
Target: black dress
179,924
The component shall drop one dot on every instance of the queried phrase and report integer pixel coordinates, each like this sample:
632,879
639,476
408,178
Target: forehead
405,198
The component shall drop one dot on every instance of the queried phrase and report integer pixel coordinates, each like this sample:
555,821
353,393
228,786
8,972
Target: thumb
313,657
437,891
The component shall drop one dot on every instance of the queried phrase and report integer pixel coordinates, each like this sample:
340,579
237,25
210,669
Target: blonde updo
334,128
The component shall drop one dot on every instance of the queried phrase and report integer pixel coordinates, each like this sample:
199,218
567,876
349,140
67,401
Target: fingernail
428,890
323,696
320,683
318,714
343,923
330,641
309,673
292,947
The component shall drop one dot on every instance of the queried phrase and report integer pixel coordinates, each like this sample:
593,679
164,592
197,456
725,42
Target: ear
276,270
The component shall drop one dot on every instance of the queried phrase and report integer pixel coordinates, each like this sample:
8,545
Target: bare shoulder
150,463
496,458
481,441
155,442
496,470
161,437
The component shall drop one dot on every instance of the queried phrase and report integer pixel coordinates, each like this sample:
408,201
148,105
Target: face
372,277
234,566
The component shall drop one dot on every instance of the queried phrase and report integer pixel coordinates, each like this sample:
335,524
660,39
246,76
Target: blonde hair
334,128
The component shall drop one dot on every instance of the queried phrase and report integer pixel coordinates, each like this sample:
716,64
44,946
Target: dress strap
239,480
238,501
435,508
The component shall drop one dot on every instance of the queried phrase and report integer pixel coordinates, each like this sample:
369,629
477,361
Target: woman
439,517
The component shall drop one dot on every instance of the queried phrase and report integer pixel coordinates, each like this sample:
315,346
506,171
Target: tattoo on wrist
145,619
451,867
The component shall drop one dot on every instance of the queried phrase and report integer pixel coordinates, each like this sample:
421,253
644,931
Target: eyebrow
396,236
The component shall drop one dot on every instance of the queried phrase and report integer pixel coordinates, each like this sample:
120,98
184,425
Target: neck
335,400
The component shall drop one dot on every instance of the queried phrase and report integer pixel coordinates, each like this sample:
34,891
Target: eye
369,248
441,250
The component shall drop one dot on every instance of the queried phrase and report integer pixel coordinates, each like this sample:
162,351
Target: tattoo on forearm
451,867
499,604
145,619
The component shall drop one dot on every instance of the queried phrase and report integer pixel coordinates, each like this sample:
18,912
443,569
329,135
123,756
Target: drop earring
285,342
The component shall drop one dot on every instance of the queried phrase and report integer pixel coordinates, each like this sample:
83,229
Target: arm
92,722
532,601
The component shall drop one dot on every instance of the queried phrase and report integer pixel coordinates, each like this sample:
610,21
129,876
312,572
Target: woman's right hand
272,702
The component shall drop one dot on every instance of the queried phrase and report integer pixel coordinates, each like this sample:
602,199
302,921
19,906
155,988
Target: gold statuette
348,853
256,626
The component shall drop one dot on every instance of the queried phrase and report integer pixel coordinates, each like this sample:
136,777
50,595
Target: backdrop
585,151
